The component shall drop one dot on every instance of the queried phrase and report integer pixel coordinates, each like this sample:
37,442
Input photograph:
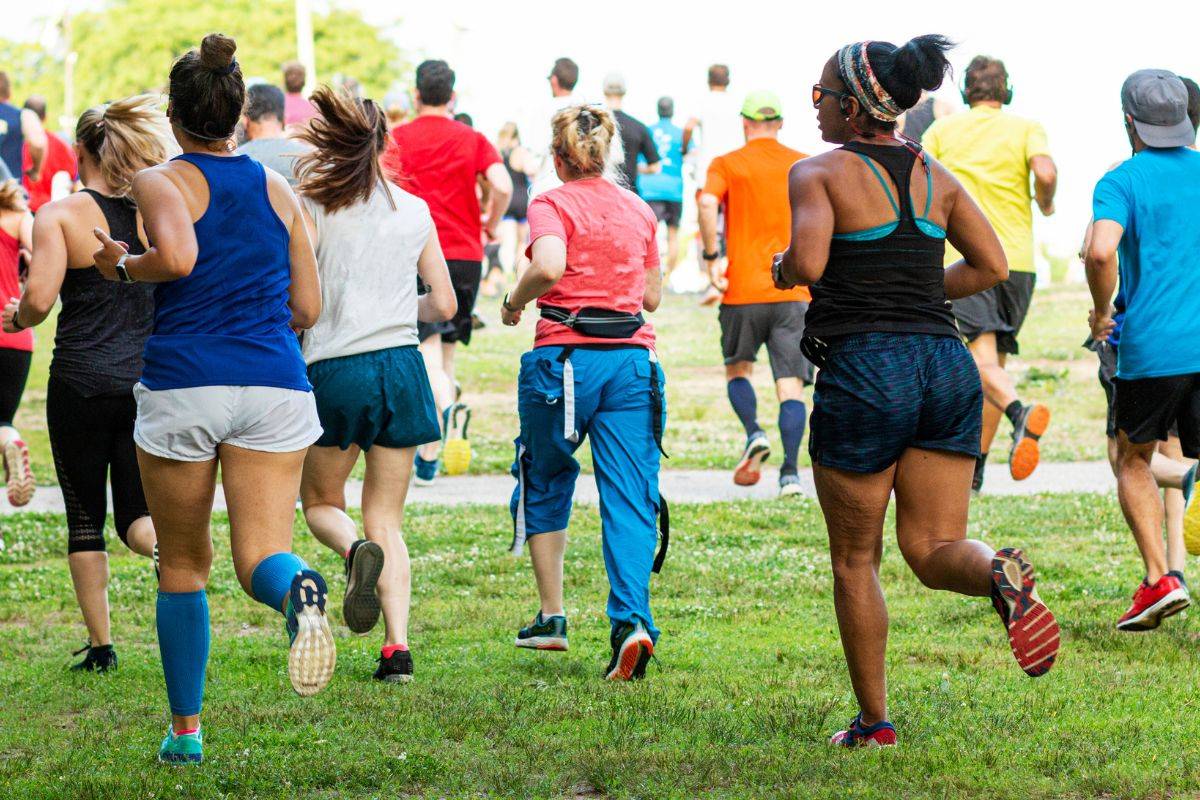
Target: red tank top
10,286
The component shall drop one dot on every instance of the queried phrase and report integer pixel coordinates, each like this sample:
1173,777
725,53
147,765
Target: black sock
1013,411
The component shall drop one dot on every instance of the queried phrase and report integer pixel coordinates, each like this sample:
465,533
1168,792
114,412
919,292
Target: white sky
1067,59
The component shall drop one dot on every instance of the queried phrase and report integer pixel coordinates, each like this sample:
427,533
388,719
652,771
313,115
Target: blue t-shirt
667,184
1155,197
11,139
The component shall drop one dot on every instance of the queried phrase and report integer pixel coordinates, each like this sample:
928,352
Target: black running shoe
101,658
632,649
396,668
360,607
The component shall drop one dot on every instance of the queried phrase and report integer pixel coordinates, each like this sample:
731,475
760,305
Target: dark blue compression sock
182,620
791,430
272,578
745,404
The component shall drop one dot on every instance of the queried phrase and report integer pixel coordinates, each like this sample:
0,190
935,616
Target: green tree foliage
128,46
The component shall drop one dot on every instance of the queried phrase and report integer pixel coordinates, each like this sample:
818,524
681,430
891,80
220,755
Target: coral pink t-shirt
610,235
10,286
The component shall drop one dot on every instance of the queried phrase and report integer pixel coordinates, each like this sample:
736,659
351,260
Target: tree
128,47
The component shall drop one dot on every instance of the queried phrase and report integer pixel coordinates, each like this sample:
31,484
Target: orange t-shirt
752,182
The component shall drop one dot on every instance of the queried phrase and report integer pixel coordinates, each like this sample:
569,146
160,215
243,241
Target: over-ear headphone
962,89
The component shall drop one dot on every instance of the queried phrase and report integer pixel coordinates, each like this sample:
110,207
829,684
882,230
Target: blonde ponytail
125,137
583,137
12,197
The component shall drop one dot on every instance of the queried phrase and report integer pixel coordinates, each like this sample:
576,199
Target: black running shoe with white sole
544,633
396,668
360,607
98,658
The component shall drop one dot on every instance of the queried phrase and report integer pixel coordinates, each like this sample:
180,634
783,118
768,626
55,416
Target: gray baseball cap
1157,100
614,84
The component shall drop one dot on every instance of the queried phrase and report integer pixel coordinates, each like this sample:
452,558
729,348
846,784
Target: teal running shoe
544,633
313,655
183,748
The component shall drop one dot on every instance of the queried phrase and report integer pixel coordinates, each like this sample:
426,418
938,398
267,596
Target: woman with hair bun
898,400
375,244
223,383
592,373
102,330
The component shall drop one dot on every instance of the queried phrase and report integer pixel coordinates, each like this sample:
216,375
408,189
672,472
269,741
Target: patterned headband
855,70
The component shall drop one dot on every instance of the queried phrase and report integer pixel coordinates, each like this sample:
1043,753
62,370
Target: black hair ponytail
919,64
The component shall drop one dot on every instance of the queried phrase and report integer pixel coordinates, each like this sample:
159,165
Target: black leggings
14,369
89,437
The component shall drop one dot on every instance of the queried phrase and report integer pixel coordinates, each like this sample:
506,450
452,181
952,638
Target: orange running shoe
1024,456
749,469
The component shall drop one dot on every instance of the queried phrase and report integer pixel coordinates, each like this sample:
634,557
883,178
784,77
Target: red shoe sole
749,470
631,654
1033,632
1027,454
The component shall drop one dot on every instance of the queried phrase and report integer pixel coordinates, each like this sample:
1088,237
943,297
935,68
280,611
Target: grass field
748,683
702,432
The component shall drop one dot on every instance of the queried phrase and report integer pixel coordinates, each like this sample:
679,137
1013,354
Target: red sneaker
749,469
881,734
1033,632
1153,604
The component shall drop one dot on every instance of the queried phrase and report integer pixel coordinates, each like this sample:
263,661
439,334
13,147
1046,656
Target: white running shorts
189,424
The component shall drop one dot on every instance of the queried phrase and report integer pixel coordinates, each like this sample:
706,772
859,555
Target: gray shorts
780,326
189,424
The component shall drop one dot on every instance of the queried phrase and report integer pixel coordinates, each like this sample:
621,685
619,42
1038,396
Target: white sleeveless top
367,260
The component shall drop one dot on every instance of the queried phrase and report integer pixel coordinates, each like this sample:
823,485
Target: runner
514,228
720,133
897,404
266,140
1145,210
664,190
563,79
58,166
751,183
101,331
993,153
223,383
914,122
16,346
593,373
373,241
637,145
20,131
442,162
298,109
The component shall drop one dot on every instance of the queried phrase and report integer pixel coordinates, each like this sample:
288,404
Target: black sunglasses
819,92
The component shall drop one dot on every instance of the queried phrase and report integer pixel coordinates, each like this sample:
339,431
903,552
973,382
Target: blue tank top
228,322
11,138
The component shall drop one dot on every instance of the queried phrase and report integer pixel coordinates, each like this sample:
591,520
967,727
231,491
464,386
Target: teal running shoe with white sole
544,633
313,655
183,748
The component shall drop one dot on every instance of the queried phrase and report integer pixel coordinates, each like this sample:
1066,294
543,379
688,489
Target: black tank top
103,325
918,119
890,278
518,206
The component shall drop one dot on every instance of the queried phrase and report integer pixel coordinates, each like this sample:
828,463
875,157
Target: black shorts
668,211
14,371
1000,310
1148,407
780,326
465,277
1108,375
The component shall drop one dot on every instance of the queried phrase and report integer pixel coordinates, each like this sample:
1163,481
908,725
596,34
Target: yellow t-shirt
989,150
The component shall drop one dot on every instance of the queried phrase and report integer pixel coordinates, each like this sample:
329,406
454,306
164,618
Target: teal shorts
377,398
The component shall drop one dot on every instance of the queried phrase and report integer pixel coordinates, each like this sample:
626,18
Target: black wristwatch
509,308
122,271
713,256
16,320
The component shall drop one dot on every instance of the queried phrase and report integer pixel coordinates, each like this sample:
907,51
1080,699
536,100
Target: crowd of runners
264,285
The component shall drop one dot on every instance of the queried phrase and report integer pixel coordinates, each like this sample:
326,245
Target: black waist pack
602,323
815,350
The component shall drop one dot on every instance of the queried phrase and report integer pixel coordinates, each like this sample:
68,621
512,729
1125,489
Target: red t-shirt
10,286
297,109
610,234
440,160
60,157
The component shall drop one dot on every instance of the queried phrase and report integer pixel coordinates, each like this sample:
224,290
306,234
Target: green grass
702,432
748,683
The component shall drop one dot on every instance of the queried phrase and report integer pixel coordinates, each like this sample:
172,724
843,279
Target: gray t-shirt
367,260
278,154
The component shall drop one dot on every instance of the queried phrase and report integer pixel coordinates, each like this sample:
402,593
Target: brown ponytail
12,197
583,138
124,138
348,136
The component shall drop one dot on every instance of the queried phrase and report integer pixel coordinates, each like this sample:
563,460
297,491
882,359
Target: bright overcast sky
1067,59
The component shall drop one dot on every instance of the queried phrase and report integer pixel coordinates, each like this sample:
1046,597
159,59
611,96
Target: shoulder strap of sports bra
887,189
899,177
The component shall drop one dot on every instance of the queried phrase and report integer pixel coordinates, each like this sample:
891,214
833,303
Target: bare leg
443,390
1169,459
854,506
179,495
933,490
1140,501
448,349
323,495
140,538
998,386
546,551
384,492
89,574
672,248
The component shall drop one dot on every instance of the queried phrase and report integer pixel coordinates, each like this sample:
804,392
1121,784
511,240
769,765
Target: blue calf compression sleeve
182,621
791,431
272,578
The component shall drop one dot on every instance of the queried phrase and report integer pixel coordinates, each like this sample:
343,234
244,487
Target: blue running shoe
313,654
881,734
425,471
182,748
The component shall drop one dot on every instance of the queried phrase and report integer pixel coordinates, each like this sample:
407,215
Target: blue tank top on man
228,322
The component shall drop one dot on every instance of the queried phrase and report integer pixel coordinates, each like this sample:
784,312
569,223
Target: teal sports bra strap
879,176
928,191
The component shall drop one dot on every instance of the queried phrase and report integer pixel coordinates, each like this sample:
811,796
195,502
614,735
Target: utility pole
68,115
305,49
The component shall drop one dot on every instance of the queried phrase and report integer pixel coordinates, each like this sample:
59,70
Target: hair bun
922,61
216,52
